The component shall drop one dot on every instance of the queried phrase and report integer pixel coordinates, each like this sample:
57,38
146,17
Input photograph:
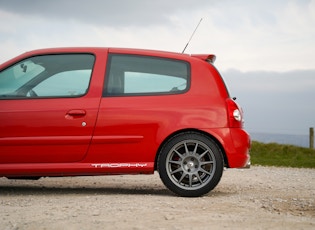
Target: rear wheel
190,164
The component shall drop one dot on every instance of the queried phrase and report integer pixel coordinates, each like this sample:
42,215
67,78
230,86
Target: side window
56,75
68,83
145,75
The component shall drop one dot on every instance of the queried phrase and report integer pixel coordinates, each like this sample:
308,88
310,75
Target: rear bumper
239,153
236,145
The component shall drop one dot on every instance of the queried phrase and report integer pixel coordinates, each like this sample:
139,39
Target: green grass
273,154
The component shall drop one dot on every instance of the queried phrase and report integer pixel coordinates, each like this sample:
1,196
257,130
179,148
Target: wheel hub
190,164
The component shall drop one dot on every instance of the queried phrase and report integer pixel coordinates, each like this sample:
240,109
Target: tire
190,164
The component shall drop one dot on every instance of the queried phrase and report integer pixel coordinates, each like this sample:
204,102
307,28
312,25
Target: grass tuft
273,154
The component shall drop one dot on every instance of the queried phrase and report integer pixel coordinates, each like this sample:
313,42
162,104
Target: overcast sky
261,43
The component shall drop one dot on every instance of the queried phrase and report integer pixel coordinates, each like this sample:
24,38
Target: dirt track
256,198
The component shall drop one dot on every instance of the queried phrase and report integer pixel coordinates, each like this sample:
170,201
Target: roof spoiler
210,58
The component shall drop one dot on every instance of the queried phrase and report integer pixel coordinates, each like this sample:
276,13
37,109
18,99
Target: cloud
118,13
265,49
262,35
244,34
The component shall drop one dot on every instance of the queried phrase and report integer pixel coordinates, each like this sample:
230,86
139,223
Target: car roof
135,51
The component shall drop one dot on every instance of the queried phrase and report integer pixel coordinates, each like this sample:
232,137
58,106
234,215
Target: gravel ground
259,198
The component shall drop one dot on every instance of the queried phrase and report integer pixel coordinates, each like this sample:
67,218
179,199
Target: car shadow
83,187
17,190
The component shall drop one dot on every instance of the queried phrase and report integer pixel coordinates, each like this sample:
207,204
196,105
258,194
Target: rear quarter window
145,75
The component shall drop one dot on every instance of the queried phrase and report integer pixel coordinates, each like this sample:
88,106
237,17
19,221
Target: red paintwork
44,137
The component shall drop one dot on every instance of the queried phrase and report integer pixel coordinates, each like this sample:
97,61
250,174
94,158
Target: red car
100,111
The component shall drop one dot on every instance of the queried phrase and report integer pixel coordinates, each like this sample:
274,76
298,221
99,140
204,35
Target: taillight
235,114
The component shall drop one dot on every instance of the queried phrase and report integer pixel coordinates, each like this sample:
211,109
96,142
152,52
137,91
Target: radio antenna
192,35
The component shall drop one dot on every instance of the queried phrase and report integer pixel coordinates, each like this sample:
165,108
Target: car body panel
96,135
46,130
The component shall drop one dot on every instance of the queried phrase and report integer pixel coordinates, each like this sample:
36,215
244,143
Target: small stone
96,213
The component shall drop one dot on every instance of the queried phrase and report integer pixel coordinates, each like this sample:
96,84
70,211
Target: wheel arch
208,135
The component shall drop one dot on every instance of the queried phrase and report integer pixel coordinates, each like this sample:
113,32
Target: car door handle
75,113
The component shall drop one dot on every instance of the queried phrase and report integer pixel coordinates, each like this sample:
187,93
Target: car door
136,107
47,114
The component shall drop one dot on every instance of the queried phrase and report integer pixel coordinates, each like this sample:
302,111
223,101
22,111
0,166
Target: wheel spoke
204,171
177,170
206,162
204,153
175,162
190,179
195,150
179,154
197,175
186,148
182,177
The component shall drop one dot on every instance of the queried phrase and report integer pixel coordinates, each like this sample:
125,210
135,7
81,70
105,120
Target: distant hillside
298,140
